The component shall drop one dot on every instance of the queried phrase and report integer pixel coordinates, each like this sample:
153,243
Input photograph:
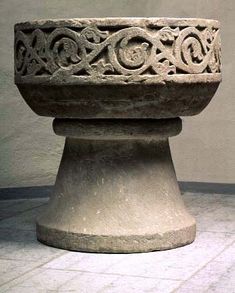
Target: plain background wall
29,150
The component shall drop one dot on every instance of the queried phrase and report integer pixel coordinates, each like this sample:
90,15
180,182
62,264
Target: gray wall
30,152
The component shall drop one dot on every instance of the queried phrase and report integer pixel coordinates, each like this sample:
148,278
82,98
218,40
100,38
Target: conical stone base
116,189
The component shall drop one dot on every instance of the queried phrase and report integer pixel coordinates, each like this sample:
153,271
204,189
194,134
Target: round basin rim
115,21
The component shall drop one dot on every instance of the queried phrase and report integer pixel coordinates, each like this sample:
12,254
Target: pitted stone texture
131,47
109,129
119,101
121,68
116,196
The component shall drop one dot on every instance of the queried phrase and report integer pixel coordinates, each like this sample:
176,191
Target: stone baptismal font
116,88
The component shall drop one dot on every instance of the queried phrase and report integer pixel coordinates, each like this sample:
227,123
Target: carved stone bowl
117,67
116,87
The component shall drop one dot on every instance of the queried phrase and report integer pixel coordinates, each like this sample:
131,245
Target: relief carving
123,51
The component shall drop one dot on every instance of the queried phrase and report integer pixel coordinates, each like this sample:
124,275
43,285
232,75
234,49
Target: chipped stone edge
116,244
122,79
150,22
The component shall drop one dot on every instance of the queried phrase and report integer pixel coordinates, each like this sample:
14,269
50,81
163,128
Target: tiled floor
207,265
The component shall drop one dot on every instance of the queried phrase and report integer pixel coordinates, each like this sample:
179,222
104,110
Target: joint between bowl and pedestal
117,129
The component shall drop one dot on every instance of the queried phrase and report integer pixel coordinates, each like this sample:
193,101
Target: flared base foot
116,244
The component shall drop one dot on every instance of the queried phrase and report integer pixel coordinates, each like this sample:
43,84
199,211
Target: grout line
20,213
225,248
14,279
24,230
15,259
30,270
103,271
113,274
218,232
66,282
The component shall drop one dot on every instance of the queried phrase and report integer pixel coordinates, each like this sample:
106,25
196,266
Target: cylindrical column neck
118,129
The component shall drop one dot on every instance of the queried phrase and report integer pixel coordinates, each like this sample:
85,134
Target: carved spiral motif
126,51
66,52
133,56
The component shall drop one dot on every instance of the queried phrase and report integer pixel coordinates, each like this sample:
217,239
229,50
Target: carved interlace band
125,51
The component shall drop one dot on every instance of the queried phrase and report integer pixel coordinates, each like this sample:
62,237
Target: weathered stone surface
116,195
138,68
125,82
118,129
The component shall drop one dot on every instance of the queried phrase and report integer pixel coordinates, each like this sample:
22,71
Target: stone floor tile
5,208
209,278
7,203
11,208
24,221
213,212
85,262
217,220
13,283
26,290
228,255
223,220
14,235
226,283
205,203
94,262
89,283
29,266
10,269
32,251
140,285
65,261
41,280
49,280
177,264
219,273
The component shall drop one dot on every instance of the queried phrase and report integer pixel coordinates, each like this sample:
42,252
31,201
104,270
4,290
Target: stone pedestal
116,189
116,87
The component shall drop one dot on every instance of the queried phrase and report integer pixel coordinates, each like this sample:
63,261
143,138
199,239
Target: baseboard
25,192
207,187
45,191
